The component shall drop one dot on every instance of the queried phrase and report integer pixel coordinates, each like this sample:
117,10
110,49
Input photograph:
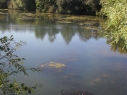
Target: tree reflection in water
85,27
117,40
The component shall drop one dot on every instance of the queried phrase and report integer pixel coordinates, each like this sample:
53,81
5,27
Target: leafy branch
11,64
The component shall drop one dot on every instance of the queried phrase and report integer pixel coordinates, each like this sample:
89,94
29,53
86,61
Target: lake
72,51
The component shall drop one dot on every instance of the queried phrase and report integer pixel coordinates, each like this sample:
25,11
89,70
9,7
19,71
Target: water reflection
117,40
50,25
67,26
89,66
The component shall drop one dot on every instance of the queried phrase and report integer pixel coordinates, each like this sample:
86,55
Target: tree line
88,7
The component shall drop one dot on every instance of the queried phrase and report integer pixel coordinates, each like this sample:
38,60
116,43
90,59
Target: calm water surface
76,41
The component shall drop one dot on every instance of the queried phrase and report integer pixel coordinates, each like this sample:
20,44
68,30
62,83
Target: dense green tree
54,6
68,6
115,10
116,13
46,5
3,3
76,7
30,5
22,4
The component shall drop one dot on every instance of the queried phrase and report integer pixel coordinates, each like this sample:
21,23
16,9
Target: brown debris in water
53,64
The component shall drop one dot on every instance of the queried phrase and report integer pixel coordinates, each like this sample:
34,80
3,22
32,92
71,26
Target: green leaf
22,84
29,91
11,85
26,88
17,89
19,59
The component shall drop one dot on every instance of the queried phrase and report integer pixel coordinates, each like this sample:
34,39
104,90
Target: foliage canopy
68,6
88,7
116,24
